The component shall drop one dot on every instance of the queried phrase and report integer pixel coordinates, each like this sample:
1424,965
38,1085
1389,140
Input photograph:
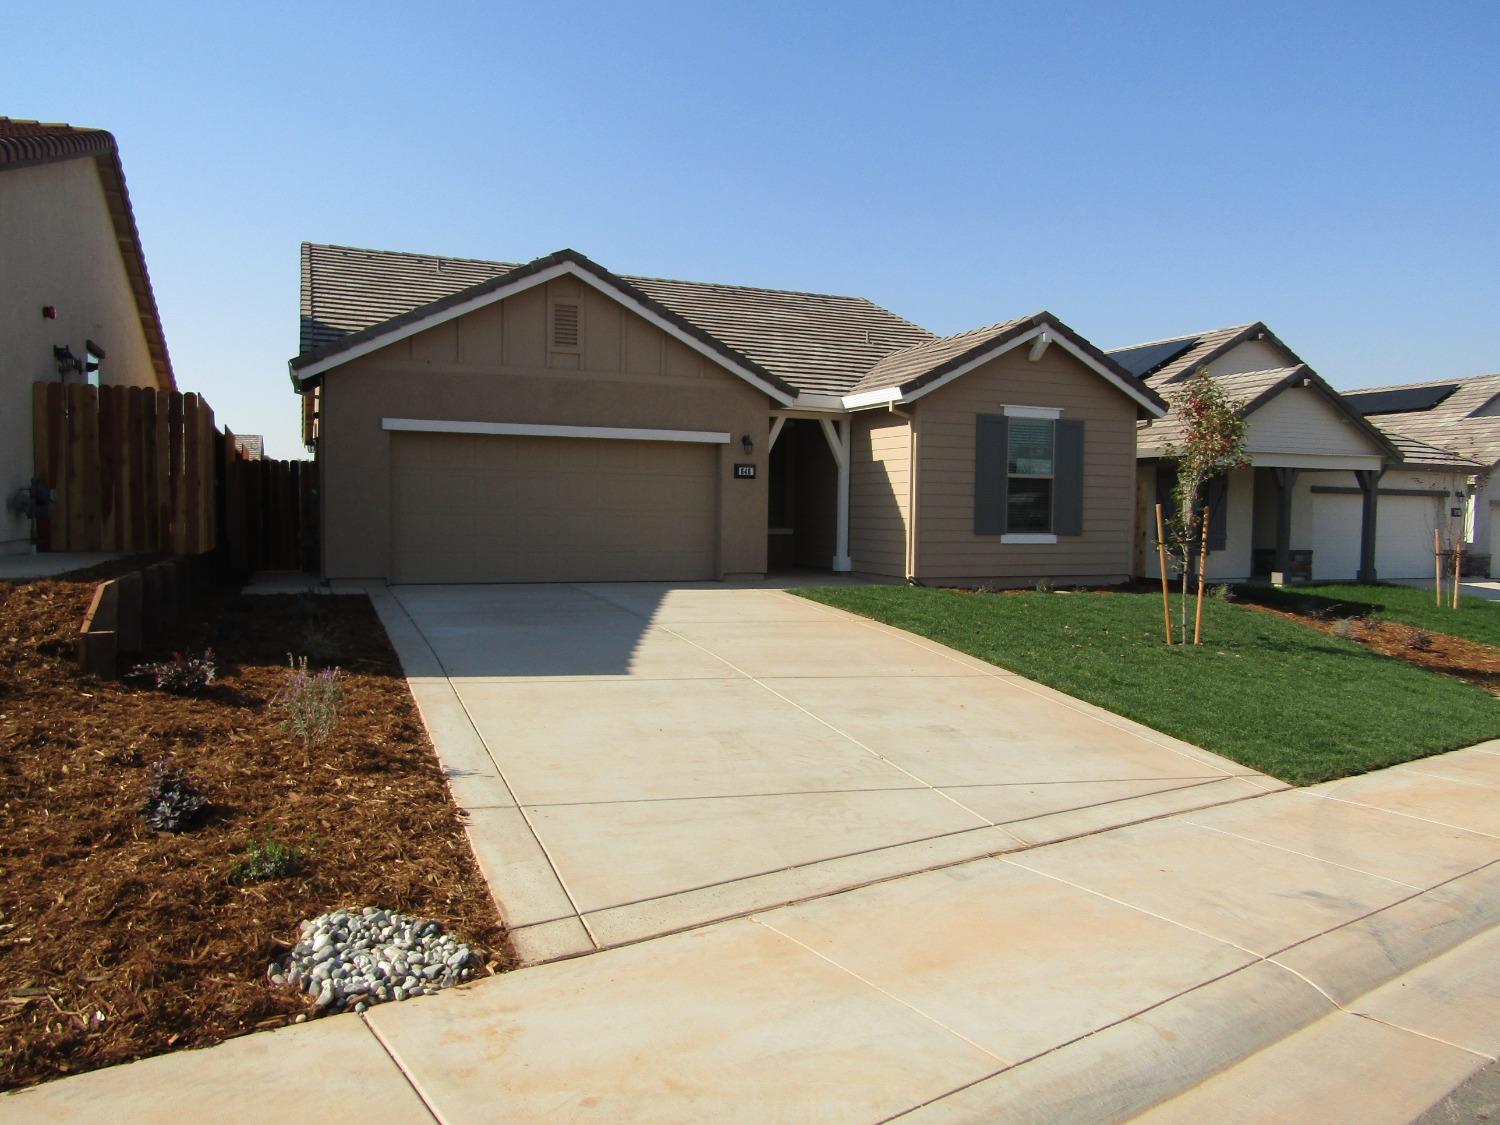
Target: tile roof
1420,454
1451,423
908,364
27,143
1156,438
1202,347
815,342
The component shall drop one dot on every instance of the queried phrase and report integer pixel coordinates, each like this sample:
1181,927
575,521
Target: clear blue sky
1141,170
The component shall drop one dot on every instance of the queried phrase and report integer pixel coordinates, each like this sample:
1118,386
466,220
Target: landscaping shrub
184,674
1044,586
1418,640
173,803
266,858
310,704
1348,628
1222,593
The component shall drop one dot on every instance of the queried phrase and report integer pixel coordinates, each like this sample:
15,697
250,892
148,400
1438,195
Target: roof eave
312,365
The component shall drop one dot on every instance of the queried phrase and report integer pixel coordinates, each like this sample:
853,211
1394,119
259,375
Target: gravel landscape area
119,940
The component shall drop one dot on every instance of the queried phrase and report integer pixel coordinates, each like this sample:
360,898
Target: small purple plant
173,802
310,704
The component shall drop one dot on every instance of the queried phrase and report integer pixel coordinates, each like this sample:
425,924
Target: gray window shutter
1216,496
989,474
1067,483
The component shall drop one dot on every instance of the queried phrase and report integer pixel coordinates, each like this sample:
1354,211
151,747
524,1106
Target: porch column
1286,480
1369,486
837,435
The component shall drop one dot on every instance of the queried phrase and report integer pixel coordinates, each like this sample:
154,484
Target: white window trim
1051,413
1031,537
529,429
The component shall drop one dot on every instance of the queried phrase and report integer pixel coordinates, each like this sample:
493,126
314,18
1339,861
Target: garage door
485,508
1403,536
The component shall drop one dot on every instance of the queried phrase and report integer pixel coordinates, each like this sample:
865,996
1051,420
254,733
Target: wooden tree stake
1161,555
1437,567
1202,574
1458,568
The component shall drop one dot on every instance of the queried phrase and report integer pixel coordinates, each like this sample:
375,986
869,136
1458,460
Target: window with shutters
566,329
1030,465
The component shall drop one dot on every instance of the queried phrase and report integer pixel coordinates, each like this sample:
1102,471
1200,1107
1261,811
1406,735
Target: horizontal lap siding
879,493
949,550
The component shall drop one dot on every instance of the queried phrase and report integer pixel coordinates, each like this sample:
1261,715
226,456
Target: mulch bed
118,942
1476,663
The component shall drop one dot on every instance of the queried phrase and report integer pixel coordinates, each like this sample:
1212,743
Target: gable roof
24,144
1449,421
812,342
1160,362
1252,390
915,370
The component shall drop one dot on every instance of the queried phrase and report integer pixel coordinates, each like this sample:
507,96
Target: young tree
1213,442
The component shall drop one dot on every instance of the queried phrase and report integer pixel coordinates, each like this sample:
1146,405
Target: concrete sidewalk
1325,954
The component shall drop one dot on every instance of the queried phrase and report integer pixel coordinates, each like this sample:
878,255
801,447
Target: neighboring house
1327,494
252,447
75,298
1463,415
492,422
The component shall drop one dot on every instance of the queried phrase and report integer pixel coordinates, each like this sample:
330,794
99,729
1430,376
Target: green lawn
1273,694
1475,618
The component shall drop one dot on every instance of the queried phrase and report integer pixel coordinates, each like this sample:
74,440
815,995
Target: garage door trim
530,429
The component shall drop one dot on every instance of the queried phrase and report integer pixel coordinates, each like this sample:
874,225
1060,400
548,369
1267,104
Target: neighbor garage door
488,508
1403,540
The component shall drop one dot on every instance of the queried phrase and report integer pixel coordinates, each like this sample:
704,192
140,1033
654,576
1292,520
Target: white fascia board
385,339
808,400
1313,461
541,277
869,398
529,429
1050,413
872,398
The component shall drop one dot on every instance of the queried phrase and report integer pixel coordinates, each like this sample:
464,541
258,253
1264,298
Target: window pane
1030,446
1029,505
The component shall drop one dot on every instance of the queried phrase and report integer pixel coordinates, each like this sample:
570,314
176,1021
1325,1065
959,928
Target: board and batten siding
947,548
1299,420
495,365
880,493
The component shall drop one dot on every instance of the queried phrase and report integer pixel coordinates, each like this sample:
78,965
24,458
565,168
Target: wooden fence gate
270,512
132,469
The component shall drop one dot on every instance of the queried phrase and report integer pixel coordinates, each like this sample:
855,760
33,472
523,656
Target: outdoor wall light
67,362
748,444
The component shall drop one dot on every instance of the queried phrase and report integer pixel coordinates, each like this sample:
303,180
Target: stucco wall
947,548
57,247
879,493
494,365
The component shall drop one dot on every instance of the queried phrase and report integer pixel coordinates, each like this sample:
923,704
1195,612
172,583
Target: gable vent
565,333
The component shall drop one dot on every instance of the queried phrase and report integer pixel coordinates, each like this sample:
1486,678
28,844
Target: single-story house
480,421
1327,494
1459,414
76,304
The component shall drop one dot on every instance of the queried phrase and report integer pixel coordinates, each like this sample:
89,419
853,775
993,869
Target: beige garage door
483,508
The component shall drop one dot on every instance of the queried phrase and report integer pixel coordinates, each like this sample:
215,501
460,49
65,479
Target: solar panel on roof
1399,401
1148,357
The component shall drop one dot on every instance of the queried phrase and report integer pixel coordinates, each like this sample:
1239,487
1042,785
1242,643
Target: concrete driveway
637,759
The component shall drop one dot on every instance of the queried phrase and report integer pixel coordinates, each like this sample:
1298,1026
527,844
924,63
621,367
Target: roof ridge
1420,383
1185,336
637,277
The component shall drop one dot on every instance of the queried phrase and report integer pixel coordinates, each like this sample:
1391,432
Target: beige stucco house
485,421
1459,414
75,298
1328,495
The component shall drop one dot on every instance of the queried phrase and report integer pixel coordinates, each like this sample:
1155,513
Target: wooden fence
132,469
270,512
142,471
